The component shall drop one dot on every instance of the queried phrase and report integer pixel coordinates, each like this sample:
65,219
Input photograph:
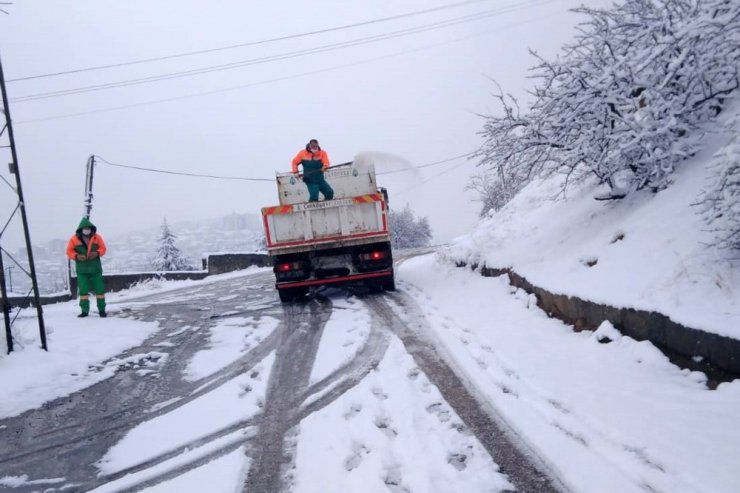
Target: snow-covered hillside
649,251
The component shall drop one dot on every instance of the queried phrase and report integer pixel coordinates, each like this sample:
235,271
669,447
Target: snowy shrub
407,231
720,202
627,100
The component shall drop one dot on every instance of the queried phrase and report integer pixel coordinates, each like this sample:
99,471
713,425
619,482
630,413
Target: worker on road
314,161
86,247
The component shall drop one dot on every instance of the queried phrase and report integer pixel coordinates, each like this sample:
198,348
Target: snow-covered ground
604,417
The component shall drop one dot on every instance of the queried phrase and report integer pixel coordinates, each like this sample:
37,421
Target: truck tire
288,295
389,284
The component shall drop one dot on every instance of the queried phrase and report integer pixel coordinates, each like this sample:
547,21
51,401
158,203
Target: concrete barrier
25,302
228,262
212,264
119,282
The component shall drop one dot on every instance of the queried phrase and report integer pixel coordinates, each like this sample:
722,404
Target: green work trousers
313,177
91,282
319,186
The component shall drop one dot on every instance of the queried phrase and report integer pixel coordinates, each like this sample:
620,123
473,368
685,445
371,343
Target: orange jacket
306,155
75,246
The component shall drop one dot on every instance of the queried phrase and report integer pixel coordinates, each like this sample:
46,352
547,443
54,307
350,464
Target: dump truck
345,240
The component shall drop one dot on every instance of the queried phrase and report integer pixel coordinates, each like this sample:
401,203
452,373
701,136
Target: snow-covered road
453,383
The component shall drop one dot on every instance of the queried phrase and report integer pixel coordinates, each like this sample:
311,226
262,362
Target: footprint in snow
507,390
442,414
359,451
394,481
353,410
460,428
377,392
458,461
384,425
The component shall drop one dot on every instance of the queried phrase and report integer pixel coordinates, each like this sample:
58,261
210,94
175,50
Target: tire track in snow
300,335
521,468
349,374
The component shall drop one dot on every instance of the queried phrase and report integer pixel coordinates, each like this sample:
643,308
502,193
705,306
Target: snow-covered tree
627,100
495,188
720,203
169,257
407,231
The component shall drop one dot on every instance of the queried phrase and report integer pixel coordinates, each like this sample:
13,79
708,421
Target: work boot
103,314
83,314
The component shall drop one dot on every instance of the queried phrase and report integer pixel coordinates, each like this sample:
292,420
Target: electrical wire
444,172
281,56
428,165
244,86
243,178
278,79
181,173
251,43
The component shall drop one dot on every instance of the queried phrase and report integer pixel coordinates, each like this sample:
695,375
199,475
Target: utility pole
20,207
89,185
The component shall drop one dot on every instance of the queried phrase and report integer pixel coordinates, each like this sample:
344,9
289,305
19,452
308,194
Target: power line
453,168
279,79
244,86
429,165
251,43
282,56
197,175
243,178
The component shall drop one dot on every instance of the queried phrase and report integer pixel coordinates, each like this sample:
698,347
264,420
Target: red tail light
288,266
379,255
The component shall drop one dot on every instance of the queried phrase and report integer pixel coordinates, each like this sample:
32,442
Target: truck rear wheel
389,284
286,295
292,294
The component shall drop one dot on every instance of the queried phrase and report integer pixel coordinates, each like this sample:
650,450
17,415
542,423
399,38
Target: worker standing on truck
314,161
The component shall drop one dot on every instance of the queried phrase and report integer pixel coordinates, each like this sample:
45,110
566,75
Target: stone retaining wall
716,355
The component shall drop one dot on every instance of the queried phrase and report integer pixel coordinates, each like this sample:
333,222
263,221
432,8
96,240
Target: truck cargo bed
327,223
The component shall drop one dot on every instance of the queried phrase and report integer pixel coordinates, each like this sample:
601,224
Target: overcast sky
413,96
